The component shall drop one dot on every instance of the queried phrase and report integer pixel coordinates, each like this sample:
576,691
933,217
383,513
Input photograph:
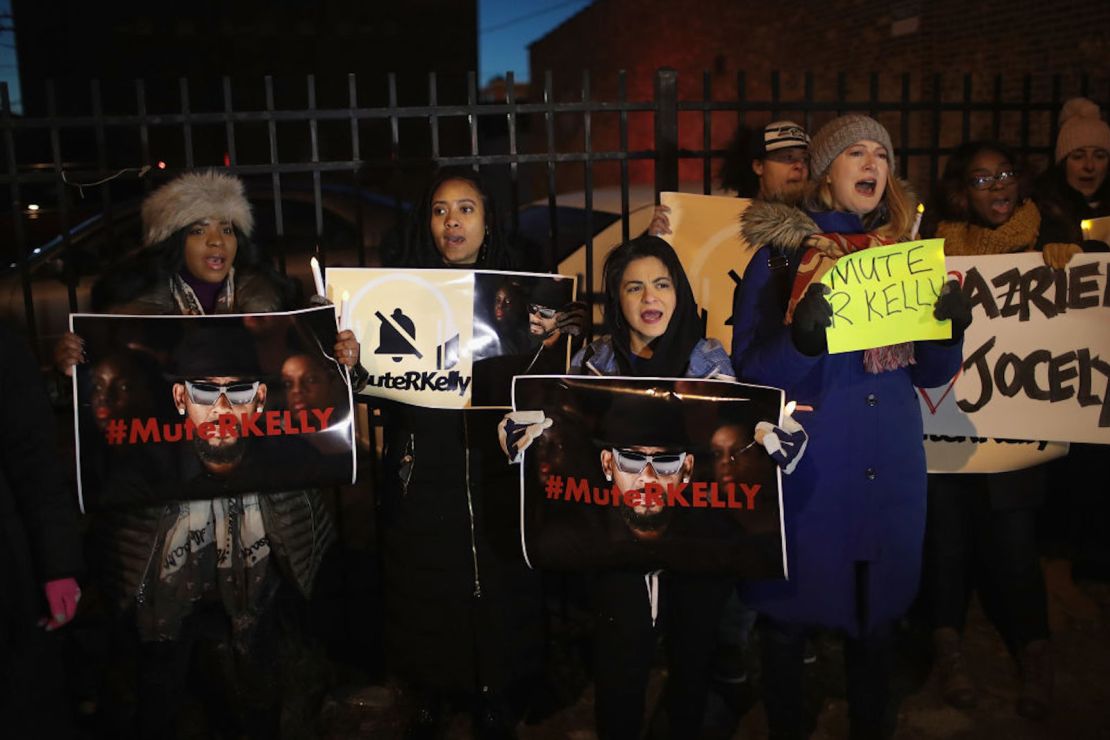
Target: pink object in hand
62,595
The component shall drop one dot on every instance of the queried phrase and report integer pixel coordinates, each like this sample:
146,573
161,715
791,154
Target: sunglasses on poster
207,394
664,463
543,311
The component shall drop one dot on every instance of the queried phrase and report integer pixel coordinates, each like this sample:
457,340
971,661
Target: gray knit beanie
839,134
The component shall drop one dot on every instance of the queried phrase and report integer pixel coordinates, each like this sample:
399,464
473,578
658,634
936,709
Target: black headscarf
670,352
418,249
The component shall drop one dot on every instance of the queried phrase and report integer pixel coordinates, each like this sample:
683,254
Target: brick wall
853,38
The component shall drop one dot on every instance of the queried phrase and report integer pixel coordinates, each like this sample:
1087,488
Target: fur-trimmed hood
193,197
767,222
785,226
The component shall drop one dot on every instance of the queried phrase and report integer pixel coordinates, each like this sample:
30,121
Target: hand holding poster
455,338
885,295
644,473
199,407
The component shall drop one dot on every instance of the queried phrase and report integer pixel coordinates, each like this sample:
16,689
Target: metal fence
73,180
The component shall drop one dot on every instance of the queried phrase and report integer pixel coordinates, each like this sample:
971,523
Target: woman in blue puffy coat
855,507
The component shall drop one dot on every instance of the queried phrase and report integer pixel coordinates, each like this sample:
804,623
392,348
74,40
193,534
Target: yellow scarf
1019,234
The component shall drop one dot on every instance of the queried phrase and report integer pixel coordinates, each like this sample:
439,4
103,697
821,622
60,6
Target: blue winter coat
858,494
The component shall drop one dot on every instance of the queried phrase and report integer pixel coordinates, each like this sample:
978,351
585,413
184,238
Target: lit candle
1085,224
917,220
345,312
316,276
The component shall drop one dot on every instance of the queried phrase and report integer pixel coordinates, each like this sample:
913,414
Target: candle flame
921,208
346,295
1085,224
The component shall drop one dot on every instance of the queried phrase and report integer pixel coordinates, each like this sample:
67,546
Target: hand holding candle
317,277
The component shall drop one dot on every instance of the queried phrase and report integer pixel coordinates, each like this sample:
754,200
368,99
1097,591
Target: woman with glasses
981,532
198,258
854,509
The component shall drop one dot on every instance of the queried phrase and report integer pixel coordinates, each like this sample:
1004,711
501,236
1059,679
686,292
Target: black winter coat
39,538
463,610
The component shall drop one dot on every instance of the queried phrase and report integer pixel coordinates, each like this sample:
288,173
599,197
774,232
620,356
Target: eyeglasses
207,394
543,311
733,455
633,463
984,182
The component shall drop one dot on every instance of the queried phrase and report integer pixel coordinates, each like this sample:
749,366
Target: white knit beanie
1081,125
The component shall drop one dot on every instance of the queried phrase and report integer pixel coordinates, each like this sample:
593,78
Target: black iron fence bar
102,163
63,206
549,131
622,96
588,187
17,205
472,110
433,117
187,121
317,196
275,172
490,109
229,125
360,218
514,172
666,131
144,129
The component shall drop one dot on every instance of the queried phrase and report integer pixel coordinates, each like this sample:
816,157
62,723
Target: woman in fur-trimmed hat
854,509
199,259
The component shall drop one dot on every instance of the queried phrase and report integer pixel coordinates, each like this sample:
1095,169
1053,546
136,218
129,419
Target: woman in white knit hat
1076,188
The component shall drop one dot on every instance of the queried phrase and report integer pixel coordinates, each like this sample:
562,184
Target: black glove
571,319
812,316
954,305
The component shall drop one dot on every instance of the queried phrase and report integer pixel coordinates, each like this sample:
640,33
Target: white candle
917,220
345,312
316,276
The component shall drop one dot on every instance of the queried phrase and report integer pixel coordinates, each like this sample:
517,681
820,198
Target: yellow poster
885,295
706,235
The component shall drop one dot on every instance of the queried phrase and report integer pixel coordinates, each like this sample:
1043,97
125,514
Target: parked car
93,249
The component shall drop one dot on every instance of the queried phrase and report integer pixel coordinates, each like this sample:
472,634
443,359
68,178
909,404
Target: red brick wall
853,37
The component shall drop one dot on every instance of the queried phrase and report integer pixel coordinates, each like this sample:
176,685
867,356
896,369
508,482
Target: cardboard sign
201,407
885,295
453,339
649,473
706,236
1036,356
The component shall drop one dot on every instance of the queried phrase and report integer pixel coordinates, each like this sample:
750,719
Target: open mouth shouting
866,187
651,316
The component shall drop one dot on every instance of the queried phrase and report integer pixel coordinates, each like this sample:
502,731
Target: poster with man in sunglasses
650,474
196,407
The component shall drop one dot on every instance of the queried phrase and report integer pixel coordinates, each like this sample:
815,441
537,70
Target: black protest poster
516,331
198,407
649,474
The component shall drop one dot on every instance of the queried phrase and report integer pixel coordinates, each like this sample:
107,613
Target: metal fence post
666,130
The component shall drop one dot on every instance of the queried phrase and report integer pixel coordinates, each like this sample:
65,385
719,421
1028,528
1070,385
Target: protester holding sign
199,259
1075,187
463,612
40,552
855,506
654,331
982,527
